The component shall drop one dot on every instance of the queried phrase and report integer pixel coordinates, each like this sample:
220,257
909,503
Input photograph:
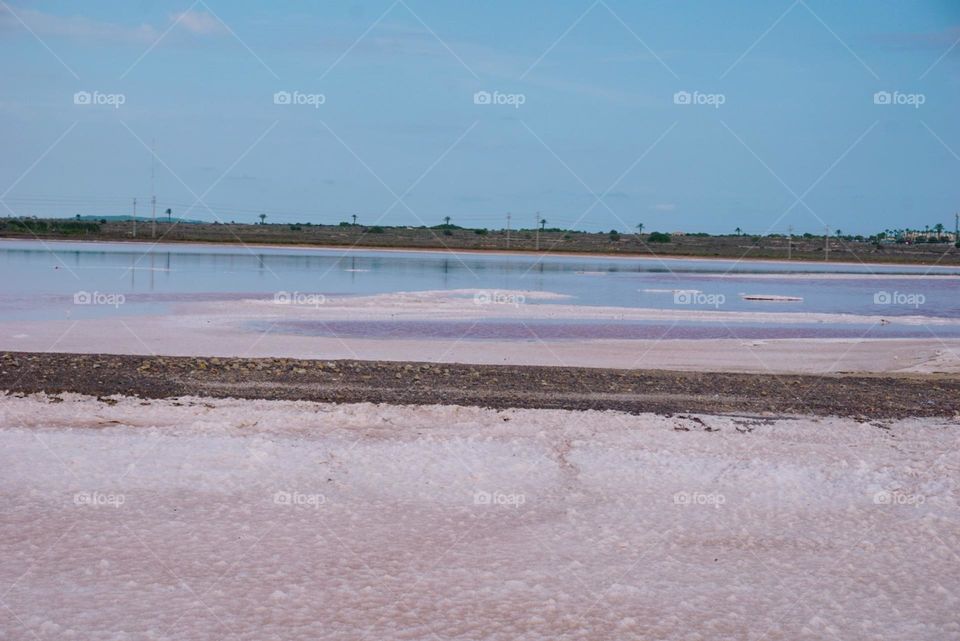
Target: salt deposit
211,519
251,328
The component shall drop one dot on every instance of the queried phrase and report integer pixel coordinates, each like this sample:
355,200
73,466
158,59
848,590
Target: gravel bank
493,386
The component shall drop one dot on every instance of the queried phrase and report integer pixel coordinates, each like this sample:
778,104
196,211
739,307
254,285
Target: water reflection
35,273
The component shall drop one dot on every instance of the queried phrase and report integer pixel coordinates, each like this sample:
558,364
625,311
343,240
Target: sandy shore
209,519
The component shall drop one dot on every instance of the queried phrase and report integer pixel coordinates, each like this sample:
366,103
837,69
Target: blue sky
599,140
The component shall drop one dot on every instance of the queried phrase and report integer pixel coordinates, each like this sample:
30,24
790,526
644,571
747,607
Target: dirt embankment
813,248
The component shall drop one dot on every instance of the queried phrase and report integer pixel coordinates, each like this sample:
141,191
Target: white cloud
51,25
199,22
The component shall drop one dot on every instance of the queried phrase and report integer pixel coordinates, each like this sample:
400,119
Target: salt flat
210,519
255,328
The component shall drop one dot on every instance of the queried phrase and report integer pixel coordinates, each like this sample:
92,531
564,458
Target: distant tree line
39,226
930,234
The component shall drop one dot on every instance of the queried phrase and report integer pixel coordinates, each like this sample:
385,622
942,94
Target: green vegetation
658,237
66,227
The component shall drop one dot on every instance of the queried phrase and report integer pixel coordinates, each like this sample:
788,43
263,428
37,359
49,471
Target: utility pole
538,232
826,243
153,190
508,230
134,217
789,242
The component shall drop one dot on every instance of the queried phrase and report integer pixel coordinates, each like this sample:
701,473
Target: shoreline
863,397
346,248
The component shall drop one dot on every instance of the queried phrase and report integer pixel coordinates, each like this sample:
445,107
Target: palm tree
263,217
839,233
939,229
543,223
354,219
639,228
738,231
446,220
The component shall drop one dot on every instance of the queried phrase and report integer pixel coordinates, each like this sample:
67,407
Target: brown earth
524,240
495,386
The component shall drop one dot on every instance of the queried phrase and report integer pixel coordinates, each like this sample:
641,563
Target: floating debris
772,297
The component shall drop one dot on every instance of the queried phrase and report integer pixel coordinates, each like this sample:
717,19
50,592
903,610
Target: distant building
926,236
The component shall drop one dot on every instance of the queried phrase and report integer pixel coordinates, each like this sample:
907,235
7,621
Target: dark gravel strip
496,386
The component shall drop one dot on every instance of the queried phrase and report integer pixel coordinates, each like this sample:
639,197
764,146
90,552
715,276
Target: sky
596,114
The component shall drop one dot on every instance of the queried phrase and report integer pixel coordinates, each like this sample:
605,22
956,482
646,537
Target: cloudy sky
600,114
